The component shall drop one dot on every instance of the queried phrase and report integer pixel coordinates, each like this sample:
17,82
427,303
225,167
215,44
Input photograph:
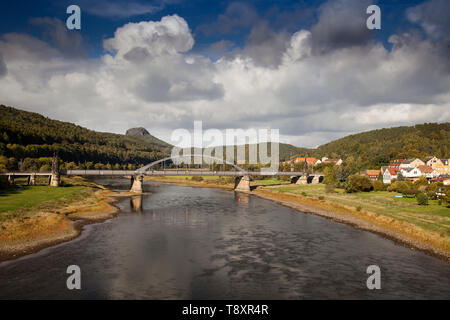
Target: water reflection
136,203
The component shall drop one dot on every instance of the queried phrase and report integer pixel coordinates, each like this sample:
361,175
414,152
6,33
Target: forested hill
378,147
30,135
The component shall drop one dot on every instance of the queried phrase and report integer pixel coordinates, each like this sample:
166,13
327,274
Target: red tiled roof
397,162
392,170
308,160
425,169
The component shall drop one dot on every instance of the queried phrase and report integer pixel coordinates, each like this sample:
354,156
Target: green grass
28,197
269,182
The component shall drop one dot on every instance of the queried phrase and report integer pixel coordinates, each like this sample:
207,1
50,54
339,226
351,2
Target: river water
180,242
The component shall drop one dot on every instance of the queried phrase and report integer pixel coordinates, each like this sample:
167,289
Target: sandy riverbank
45,228
398,231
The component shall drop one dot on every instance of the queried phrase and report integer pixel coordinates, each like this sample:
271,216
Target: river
179,242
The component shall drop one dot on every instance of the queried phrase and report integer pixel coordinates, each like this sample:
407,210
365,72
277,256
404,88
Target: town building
411,163
372,174
390,174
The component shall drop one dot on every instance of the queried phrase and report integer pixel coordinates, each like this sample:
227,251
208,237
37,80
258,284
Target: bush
399,186
197,178
358,183
321,197
358,208
304,194
433,187
379,186
410,193
329,188
422,199
422,181
447,196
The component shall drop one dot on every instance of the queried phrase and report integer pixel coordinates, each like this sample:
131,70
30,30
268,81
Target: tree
422,199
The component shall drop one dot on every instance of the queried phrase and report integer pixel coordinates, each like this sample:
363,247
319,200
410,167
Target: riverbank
48,216
402,222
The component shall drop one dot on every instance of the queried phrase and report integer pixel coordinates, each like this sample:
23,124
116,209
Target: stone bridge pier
31,179
242,184
136,183
302,180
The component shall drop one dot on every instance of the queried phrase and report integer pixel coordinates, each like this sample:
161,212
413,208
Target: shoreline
400,238
66,225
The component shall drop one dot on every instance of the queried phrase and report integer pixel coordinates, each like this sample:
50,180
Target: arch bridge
242,177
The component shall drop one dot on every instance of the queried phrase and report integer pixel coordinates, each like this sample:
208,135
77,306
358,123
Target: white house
429,172
389,175
411,173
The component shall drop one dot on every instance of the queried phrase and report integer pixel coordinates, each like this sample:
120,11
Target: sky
311,69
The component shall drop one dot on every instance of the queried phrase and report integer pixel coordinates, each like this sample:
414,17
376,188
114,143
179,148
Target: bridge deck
160,173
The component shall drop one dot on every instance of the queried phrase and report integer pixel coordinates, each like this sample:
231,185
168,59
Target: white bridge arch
145,168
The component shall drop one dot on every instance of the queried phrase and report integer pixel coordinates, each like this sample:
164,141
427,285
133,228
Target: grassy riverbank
401,219
33,217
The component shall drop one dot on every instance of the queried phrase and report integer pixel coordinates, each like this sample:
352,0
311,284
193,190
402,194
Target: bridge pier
315,180
11,179
302,180
54,180
136,183
242,184
31,179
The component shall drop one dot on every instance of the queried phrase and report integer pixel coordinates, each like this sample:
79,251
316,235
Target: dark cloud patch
237,15
342,23
290,20
117,9
3,68
433,16
137,54
70,43
265,46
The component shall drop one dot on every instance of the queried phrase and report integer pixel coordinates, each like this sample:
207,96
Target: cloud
166,37
150,77
432,16
3,68
342,23
265,46
118,9
69,42
237,15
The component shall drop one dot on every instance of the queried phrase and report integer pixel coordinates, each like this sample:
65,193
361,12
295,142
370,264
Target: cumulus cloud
150,77
166,37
